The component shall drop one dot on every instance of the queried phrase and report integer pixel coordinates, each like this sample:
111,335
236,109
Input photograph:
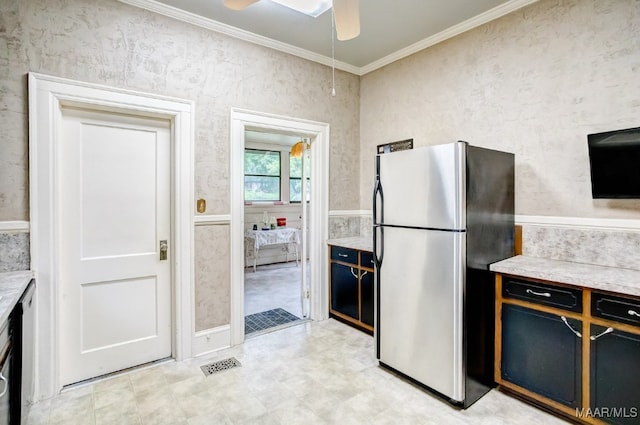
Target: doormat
220,366
267,319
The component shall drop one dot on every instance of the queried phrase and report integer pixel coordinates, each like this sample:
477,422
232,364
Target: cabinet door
541,353
615,375
366,297
344,289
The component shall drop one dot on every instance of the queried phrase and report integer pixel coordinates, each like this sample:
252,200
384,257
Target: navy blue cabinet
344,290
573,349
542,353
351,287
366,297
615,375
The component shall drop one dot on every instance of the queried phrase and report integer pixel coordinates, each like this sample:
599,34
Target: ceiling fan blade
239,4
347,16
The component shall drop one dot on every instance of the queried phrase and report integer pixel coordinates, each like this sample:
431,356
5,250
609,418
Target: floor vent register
220,366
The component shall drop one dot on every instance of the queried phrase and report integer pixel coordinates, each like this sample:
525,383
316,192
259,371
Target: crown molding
210,24
476,21
192,18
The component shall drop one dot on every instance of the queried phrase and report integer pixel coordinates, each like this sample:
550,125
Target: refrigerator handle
376,187
377,257
378,254
377,190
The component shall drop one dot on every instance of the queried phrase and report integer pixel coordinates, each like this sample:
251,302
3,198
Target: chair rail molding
17,226
578,222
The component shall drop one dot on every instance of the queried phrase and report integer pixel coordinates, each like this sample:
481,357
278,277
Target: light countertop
623,281
12,285
356,242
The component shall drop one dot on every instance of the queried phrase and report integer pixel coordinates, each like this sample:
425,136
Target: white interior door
115,194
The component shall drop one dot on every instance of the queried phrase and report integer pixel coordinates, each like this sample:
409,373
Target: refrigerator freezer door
424,187
420,307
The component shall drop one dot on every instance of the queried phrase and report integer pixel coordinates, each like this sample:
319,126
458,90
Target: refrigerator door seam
437,229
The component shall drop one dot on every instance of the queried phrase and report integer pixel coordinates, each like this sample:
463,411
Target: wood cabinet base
351,287
567,354
351,322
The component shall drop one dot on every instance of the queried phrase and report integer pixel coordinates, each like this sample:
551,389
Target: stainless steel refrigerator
441,215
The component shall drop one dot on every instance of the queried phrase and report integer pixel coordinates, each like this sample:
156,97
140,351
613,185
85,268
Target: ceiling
389,29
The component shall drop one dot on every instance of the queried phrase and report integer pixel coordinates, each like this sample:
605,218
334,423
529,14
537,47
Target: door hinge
306,294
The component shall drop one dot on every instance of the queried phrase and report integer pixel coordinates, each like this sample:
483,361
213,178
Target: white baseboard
211,340
14,226
579,222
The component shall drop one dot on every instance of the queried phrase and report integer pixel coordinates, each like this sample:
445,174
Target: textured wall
212,296
14,251
535,83
613,248
107,42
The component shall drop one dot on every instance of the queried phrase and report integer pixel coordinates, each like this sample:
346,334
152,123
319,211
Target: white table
281,235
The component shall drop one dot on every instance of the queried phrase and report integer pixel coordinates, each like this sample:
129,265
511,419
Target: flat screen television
614,157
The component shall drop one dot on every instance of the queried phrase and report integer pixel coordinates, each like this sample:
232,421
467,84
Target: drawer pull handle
6,385
356,274
343,255
564,319
353,273
633,313
606,331
540,294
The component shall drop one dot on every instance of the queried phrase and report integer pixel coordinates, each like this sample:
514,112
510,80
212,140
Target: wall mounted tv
614,157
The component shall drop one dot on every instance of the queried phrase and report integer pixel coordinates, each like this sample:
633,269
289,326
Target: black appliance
614,157
23,329
6,374
16,360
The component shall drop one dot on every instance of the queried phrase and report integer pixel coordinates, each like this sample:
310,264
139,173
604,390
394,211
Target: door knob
163,250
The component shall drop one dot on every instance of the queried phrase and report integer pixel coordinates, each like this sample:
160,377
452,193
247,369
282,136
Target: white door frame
47,95
318,132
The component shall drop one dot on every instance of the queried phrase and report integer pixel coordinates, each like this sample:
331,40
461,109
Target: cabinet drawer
366,259
347,255
552,296
611,307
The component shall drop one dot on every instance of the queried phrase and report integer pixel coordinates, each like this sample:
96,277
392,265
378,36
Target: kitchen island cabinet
573,349
351,277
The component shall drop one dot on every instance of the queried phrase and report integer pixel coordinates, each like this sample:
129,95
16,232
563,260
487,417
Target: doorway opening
276,180
311,252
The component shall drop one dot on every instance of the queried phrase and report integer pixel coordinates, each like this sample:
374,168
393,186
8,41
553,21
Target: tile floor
273,286
314,373
267,320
